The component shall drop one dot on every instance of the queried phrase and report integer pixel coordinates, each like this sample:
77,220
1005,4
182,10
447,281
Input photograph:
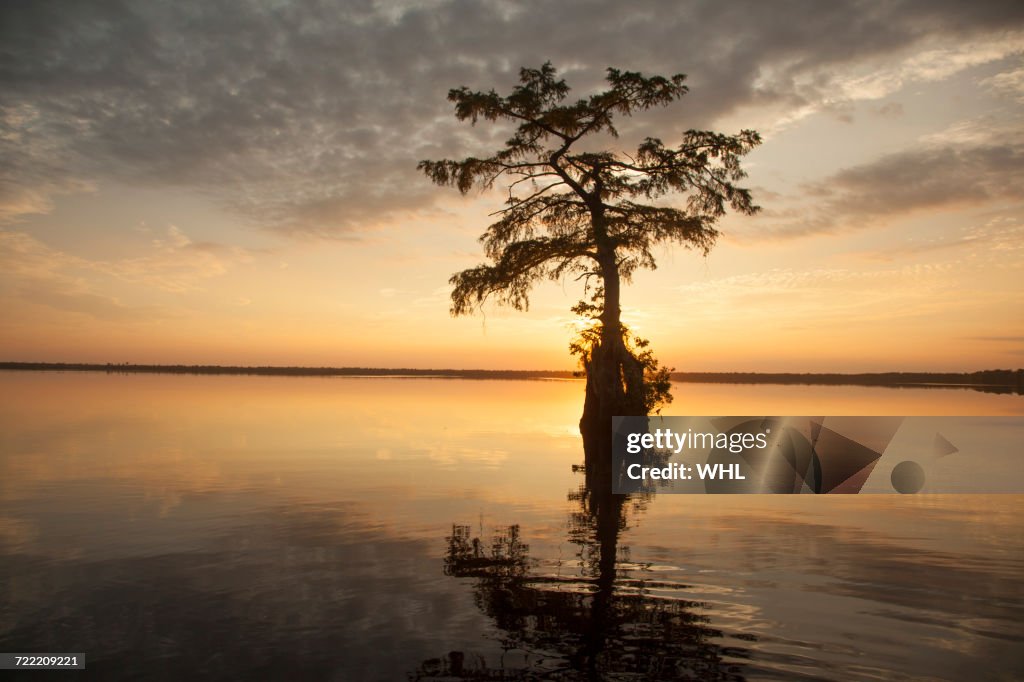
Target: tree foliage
657,384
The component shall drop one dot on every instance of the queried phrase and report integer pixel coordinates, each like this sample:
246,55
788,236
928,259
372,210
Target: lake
225,527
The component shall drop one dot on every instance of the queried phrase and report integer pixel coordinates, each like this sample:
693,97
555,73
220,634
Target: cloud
977,171
995,236
1013,345
825,296
34,272
308,117
1008,83
94,305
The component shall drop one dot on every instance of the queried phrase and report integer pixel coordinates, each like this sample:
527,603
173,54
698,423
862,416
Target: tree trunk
614,375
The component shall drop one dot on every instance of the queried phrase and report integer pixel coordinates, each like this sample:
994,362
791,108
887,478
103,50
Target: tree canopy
572,212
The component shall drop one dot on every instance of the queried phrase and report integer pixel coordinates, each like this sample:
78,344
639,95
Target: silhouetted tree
574,211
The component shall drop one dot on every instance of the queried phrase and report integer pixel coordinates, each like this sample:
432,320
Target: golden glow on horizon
742,309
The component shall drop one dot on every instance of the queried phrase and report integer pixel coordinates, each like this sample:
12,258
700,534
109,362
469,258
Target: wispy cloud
967,168
995,236
34,272
1008,83
824,295
833,87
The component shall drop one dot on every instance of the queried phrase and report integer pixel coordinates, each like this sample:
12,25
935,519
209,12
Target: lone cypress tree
574,211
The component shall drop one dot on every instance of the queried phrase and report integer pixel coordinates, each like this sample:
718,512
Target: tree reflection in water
603,624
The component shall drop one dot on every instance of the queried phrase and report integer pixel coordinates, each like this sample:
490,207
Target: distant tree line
129,368
1011,380
1002,378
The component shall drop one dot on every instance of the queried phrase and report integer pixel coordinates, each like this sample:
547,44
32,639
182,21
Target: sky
236,183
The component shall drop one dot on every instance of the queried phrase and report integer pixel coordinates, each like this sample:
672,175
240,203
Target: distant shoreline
999,380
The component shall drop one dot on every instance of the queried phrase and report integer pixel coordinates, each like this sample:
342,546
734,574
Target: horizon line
988,377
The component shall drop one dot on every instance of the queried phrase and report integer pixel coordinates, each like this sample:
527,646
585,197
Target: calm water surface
188,527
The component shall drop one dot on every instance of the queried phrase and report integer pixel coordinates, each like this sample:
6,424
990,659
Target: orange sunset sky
204,183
